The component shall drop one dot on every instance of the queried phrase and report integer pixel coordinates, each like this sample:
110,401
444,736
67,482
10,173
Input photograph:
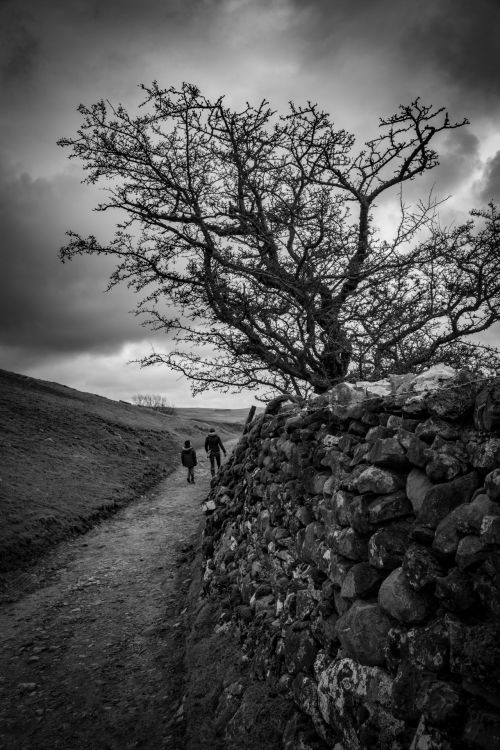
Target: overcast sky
358,59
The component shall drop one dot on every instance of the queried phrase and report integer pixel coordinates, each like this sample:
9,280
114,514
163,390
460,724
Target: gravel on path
92,639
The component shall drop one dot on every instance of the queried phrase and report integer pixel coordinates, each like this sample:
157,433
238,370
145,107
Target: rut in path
92,658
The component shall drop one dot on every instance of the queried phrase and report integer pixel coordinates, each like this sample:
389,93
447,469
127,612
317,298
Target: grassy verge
70,458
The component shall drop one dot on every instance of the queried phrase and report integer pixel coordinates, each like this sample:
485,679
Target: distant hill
68,458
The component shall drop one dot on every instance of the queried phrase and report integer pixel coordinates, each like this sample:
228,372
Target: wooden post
249,418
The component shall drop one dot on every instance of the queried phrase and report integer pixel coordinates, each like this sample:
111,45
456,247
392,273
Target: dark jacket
213,443
188,457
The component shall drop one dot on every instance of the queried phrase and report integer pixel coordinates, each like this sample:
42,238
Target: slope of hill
68,458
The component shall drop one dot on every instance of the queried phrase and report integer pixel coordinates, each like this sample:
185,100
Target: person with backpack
213,447
188,459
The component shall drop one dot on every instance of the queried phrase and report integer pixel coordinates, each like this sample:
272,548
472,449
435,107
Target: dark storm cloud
458,40
459,156
490,184
20,49
449,48
46,306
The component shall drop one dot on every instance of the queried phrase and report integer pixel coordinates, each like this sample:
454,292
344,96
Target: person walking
188,459
213,447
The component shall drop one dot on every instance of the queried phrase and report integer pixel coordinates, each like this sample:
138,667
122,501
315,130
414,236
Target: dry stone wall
355,546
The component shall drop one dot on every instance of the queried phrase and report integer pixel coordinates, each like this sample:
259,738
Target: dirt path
92,657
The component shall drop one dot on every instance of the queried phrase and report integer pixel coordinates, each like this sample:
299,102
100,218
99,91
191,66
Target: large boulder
401,601
357,700
443,498
362,631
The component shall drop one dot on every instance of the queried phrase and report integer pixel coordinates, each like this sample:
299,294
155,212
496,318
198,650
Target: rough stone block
475,651
490,529
314,533
324,629
471,551
443,468
338,567
417,452
300,650
378,481
362,631
397,598
442,703
452,403
417,486
432,427
358,513
389,508
421,567
378,433
361,582
348,543
486,455
428,647
389,453
340,504
357,700
443,498
456,591
387,546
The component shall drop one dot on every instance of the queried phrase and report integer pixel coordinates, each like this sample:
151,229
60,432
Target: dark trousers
214,456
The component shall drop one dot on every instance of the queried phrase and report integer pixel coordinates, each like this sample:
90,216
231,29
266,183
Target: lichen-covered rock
428,647
389,508
397,598
475,651
300,650
362,631
357,699
338,568
387,546
378,481
443,498
421,567
348,543
486,455
452,403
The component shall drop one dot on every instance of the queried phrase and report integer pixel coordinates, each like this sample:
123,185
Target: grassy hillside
68,458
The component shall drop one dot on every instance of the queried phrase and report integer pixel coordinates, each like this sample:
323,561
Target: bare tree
249,238
154,401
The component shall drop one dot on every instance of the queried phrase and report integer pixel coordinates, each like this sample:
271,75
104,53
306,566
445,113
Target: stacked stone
355,543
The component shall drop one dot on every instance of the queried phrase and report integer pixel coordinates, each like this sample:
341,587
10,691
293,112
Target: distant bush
154,401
